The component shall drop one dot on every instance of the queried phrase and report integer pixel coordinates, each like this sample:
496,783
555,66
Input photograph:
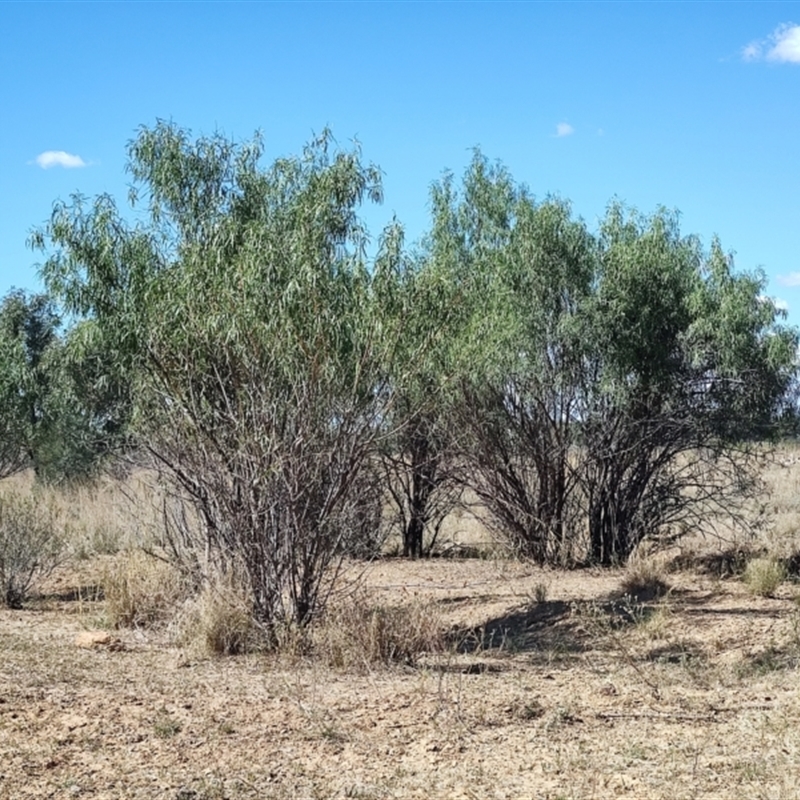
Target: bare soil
582,695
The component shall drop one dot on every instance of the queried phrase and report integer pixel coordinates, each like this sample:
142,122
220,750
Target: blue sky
694,106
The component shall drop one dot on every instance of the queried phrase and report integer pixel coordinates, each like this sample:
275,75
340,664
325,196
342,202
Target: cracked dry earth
574,697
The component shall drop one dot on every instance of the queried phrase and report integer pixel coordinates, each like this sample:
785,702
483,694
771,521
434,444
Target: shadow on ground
88,593
543,629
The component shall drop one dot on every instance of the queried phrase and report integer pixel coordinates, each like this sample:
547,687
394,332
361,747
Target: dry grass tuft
354,633
540,589
763,576
644,580
141,591
219,620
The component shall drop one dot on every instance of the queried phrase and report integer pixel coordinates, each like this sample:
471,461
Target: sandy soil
695,696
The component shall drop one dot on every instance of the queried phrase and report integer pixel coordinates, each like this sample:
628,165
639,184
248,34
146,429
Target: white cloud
564,129
792,279
777,303
58,158
782,45
786,45
752,51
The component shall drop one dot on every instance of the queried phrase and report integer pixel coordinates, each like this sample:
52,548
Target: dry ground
694,697
579,695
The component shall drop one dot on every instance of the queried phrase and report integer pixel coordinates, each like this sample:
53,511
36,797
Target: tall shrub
243,308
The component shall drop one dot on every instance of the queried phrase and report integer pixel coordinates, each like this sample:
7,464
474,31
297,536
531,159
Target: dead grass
102,518
357,633
141,591
763,576
697,698
644,579
31,545
219,620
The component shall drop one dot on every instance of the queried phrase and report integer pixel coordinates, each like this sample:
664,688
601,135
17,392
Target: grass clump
141,591
763,576
30,545
166,726
219,621
540,592
356,633
644,580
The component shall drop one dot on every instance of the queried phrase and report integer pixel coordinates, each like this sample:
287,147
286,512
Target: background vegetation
300,392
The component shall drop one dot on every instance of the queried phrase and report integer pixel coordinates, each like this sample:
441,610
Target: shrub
258,361
763,576
30,545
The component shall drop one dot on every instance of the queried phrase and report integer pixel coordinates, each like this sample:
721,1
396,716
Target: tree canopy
592,389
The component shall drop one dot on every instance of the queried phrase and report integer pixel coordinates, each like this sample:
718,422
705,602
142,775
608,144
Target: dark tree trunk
423,477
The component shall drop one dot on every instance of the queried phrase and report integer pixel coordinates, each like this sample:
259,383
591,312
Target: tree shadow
679,652
89,593
693,603
774,658
544,629
727,563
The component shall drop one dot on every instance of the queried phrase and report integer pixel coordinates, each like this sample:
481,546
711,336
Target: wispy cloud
751,52
564,129
780,304
776,302
782,45
792,279
59,158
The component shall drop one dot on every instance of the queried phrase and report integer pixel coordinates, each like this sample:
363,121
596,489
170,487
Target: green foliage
63,405
28,326
525,269
245,313
14,430
612,383
87,410
689,366
417,460
593,389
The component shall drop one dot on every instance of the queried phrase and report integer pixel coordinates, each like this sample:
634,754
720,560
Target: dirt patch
694,695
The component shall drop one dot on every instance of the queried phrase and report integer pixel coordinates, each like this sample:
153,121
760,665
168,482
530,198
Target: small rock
91,639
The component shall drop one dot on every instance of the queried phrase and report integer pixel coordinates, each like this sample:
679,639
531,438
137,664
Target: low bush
644,579
30,545
219,621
